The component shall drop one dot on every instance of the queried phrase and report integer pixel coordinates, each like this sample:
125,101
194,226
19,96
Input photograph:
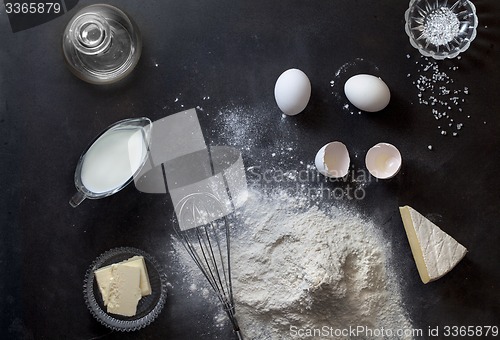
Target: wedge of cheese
435,252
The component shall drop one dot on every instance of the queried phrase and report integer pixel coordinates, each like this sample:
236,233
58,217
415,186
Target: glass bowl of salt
441,28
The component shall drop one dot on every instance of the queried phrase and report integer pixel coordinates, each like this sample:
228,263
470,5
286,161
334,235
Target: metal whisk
203,229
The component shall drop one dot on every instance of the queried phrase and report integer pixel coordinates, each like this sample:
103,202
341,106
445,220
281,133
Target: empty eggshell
292,91
383,160
367,92
332,160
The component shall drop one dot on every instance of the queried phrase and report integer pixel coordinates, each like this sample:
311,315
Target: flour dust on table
298,267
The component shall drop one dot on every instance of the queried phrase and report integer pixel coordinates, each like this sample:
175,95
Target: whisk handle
238,334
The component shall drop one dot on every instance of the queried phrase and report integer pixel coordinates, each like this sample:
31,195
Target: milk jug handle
77,199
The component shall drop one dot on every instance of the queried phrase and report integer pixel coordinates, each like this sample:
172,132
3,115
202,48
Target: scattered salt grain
436,89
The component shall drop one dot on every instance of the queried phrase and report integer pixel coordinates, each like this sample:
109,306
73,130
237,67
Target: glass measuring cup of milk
112,159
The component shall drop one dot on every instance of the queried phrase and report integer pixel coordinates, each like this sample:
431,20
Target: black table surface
226,54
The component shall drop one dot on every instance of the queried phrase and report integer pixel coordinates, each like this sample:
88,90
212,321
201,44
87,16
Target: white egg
332,160
292,91
383,160
367,92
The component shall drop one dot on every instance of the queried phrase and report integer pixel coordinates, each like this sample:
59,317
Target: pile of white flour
296,266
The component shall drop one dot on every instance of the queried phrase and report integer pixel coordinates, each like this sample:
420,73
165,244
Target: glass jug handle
77,199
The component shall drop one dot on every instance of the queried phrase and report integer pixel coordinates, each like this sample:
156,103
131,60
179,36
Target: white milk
112,160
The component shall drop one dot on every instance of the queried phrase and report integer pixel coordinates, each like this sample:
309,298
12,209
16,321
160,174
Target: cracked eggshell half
292,91
367,92
383,160
332,160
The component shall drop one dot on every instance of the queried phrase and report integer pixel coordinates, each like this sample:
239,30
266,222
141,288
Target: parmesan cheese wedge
435,252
